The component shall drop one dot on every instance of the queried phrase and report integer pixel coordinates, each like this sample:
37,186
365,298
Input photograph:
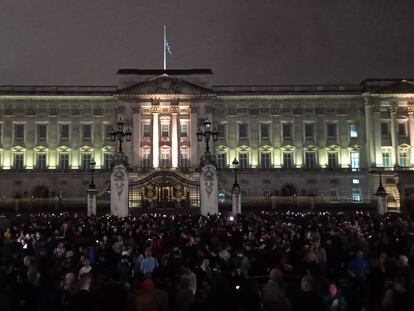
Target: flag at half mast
167,48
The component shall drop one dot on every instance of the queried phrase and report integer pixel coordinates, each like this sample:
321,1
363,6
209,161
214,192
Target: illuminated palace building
319,144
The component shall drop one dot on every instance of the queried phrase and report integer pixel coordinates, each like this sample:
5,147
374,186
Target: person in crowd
149,264
203,272
334,301
359,270
148,298
396,296
83,300
192,278
214,261
185,296
86,268
273,297
308,299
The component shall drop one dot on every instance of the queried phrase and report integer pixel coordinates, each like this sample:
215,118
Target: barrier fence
249,204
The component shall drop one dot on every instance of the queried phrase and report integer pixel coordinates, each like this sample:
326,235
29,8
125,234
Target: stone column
208,190
369,134
297,129
119,186
236,200
155,141
275,138
377,137
394,138
382,204
174,140
136,136
91,201
193,129
411,133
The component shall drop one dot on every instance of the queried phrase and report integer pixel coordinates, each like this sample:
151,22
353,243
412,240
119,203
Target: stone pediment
165,85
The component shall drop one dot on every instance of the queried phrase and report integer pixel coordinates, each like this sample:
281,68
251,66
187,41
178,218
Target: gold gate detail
165,190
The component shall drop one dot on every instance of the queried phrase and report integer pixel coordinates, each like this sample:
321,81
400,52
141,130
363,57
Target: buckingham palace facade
308,142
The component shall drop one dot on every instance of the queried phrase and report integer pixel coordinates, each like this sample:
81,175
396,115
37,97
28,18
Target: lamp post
235,164
381,197
205,135
236,202
91,197
119,135
119,176
92,164
208,174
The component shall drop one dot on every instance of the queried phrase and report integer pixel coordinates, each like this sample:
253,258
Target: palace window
286,130
86,132
333,193
146,158
221,129
386,159
264,130
41,132
64,131
221,160
331,130
165,130
265,159
243,160
356,195
64,160
108,157
310,159
184,129
353,130
41,161
165,160
18,161
354,160
332,159
85,161
184,158
403,159
402,129
309,130
19,132
242,130
384,129
146,130
287,159
108,131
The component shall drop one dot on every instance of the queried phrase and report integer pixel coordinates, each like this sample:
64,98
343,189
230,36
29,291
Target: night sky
84,42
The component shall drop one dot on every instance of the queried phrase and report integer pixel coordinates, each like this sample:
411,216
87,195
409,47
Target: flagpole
165,47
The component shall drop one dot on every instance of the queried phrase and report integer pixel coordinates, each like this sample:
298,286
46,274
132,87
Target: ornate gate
165,190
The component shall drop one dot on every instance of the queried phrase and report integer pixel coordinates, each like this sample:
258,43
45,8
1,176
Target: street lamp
120,135
381,190
236,202
92,164
206,134
236,184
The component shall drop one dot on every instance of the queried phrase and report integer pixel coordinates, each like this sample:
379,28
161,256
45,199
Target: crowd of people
261,261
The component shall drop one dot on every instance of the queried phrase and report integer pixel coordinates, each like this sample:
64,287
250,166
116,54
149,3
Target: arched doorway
288,191
40,192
